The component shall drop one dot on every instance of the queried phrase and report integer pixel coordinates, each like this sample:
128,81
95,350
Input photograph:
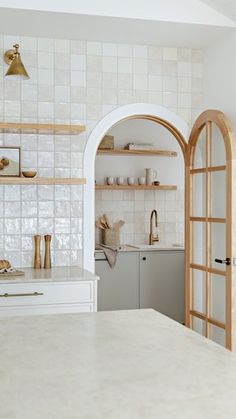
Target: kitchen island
112,365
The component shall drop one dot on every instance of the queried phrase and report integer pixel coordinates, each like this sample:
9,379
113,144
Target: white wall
219,76
78,82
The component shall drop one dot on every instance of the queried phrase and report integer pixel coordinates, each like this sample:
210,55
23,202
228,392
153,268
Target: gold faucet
153,237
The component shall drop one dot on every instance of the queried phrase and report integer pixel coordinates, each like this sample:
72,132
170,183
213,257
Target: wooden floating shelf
41,181
137,187
26,128
122,152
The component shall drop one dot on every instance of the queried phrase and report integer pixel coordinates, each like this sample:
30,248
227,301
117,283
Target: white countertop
55,274
134,364
147,247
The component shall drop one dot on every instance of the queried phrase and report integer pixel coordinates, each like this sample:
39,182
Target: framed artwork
10,161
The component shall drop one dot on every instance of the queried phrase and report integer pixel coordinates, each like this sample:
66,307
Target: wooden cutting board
7,274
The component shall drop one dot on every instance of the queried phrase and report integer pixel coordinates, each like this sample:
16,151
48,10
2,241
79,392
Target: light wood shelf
122,152
41,128
5,180
137,187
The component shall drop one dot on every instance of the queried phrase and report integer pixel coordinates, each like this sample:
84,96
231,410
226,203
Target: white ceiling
108,29
226,7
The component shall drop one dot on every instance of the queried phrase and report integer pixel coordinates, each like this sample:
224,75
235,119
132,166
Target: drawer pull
26,294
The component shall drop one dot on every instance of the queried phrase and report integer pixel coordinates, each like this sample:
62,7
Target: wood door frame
205,120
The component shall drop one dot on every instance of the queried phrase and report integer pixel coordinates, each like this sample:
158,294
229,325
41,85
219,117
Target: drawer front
49,293
46,309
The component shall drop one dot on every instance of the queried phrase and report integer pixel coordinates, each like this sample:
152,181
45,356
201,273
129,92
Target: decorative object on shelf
37,255
10,161
4,264
47,257
156,183
110,234
16,70
150,176
29,173
110,180
142,180
120,180
140,146
131,180
107,143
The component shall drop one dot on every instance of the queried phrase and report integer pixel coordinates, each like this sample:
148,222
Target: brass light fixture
16,70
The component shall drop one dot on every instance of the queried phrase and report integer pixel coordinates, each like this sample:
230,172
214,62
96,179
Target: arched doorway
156,113
210,169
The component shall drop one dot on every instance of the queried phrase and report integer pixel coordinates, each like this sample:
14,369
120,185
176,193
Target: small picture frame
10,161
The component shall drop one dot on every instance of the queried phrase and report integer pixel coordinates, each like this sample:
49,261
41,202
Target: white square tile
184,69
62,45
28,43
125,65
94,48
29,209
78,62
78,111
155,52
46,192
12,209
155,83
62,193
78,47
78,78
170,99
62,225
109,50
125,50
169,53
62,77
12,193
45,60
46,76
140,51
170,84
45,159
155,67
46,209
45,110
94,63
12,243
140,81
45,44
62,61
12,226
109,80
109,64
45,226
62,241
140,66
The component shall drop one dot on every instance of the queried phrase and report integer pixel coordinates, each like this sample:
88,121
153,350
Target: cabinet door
162,283
118,288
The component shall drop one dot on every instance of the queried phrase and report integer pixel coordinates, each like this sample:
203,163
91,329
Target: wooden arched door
209,226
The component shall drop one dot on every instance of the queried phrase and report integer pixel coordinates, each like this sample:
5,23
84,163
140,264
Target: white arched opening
157,113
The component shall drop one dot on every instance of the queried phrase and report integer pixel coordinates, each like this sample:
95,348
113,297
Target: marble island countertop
55,274
134,364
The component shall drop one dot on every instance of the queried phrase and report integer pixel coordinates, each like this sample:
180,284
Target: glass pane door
207,235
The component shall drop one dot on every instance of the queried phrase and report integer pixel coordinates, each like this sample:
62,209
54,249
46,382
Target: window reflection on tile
62,241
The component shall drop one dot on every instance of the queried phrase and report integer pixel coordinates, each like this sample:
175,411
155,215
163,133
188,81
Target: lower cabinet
34,298
143,280
118,288
162,282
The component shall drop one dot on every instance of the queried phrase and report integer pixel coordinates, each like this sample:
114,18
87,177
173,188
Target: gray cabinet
118,288
162,282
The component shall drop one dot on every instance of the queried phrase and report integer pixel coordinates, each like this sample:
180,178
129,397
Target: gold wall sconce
16,70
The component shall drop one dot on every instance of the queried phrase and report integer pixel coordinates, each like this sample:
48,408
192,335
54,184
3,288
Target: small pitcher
151,175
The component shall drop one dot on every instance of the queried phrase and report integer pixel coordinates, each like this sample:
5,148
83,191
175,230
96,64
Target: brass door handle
27,294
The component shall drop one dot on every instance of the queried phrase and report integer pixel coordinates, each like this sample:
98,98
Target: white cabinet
49,294
162,282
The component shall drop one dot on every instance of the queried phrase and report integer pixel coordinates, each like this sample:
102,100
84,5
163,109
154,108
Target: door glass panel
199,291
199,195
218,194
199,159
218,244
218,297
217,147
199,325
217,334
199,243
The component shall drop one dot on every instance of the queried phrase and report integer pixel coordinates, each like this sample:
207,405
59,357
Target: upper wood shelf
41,181
137,187
41,128
122,152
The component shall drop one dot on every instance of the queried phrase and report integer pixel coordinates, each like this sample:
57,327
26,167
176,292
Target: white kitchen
117,204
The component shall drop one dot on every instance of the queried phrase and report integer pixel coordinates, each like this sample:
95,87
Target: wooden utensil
107,221
99,225
103,221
